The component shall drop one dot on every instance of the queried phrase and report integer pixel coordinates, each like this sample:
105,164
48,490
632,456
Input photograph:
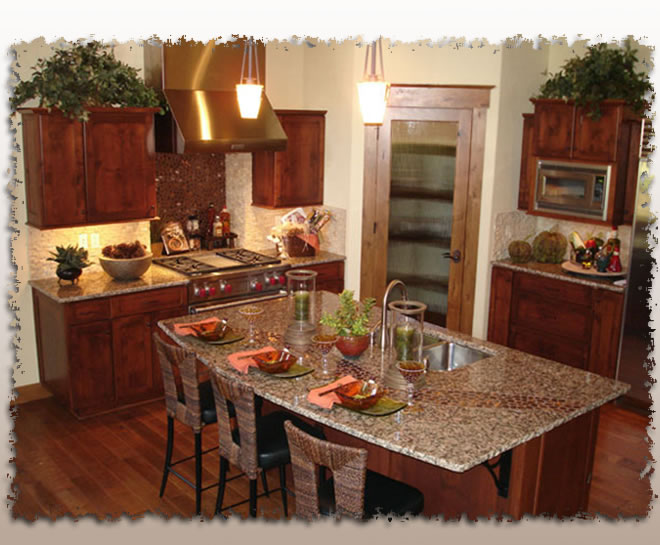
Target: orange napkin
327,401
186,329
241,363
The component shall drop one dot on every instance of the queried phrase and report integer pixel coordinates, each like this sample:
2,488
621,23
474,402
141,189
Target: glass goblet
411,371
251,313
324,344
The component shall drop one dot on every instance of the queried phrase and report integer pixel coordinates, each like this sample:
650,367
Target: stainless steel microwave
572,189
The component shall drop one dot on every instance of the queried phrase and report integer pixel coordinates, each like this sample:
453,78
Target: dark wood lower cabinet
96,355
330,276
566,322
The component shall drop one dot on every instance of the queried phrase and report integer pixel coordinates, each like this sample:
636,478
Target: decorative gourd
520,251
549,247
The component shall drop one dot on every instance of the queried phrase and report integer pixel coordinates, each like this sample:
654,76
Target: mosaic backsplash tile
186,184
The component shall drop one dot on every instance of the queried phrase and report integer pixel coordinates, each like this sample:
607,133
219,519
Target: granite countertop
461,418
96,284
551,270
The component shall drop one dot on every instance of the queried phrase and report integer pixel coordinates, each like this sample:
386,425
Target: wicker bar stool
255,445
353,490
191,403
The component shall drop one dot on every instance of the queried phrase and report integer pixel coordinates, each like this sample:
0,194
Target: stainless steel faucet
383,318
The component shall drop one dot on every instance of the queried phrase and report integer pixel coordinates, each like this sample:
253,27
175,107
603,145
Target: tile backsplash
517,225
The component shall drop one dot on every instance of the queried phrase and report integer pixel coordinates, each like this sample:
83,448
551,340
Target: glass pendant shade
373,89
249,99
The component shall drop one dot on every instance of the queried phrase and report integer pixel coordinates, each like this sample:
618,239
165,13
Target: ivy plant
84,75
602,73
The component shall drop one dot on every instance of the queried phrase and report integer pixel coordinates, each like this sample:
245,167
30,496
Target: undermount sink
447,356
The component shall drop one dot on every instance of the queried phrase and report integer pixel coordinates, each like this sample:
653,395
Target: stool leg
168,454
253,498
283,489
224,465
198,473
264,481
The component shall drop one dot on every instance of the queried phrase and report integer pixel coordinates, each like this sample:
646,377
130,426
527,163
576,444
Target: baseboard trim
30,392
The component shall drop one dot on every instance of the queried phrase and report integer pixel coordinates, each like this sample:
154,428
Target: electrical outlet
82,240
95,240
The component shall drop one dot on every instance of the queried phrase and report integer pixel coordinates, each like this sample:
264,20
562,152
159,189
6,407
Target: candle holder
301,287
407,330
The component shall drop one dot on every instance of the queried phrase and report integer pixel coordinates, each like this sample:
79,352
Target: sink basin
448,356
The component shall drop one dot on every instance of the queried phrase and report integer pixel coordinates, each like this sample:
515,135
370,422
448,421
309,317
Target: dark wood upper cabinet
526,162
99,171
293,177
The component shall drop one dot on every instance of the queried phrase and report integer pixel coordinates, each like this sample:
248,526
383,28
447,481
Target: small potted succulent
350,323
70,262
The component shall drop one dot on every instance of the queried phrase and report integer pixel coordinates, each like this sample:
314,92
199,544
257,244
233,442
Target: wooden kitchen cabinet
97,355
99,171
570,323
527,163
330,275
293,177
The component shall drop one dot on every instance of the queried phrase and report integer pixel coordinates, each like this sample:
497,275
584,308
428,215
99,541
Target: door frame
466,105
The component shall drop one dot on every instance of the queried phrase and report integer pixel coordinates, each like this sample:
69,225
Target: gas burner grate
185,265
248,257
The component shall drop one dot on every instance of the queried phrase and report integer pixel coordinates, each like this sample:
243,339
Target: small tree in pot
350,322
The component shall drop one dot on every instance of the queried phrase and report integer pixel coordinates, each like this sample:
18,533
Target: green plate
294,371
230,337
383,407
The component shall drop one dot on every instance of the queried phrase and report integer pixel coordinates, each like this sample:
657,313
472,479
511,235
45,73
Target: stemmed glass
411,372
324,344
251,313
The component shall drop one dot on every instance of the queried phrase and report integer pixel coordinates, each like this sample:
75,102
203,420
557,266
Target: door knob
455,256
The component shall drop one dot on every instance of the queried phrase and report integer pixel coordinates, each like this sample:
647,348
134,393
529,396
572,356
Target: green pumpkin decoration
549,247
520,251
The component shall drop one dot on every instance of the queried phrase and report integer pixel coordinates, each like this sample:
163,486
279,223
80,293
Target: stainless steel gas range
230,277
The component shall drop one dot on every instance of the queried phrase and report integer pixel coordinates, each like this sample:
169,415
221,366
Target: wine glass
411,372
251,313
324,344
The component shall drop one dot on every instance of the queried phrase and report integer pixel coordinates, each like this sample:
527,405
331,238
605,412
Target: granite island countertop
551,270
460,418
97,284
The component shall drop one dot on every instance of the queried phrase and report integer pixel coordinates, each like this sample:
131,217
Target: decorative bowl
213,333
274,361
359,395
352,347
126,269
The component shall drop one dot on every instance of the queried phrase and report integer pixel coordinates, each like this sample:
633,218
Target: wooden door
120,166
436,111
91,369
135,378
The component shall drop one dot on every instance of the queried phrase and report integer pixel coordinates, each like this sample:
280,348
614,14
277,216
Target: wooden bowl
275,361
126,269
359,395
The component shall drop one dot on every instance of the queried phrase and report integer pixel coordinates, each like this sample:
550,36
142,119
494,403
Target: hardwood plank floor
112,465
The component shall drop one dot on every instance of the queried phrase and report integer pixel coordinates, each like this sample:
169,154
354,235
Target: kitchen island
509,435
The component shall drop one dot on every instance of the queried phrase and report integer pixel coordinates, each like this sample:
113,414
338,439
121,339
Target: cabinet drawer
552,290
549,346
327,272
88,311
544,315
148,301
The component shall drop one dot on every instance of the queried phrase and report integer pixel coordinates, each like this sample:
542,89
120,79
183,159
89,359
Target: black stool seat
272,446
381,495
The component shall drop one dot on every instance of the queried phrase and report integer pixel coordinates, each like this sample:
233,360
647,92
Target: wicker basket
297,247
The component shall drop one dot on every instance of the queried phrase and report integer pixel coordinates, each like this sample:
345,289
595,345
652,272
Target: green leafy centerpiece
70,260
351,324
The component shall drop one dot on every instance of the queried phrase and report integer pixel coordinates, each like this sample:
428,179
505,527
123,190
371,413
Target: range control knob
258,286
272,280
282,279
212,290
225,287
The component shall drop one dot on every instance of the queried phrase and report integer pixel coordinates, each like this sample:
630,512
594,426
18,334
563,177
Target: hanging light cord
249,49
375,47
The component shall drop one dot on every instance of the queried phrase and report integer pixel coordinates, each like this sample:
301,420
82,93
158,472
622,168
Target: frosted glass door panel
423,167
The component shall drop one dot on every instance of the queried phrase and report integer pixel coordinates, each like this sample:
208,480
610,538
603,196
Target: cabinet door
597,140
91,369
527,163
553,129
134,373
120,166
54,169
330,276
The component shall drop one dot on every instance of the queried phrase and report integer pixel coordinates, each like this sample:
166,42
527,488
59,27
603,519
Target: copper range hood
198,81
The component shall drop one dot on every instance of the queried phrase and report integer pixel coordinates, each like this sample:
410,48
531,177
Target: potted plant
70,262
81,76
350,322
603,73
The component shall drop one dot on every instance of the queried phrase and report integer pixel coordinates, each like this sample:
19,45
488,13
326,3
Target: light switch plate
83,241
95,240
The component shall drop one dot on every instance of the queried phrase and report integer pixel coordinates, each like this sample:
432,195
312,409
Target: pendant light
373,89
249,89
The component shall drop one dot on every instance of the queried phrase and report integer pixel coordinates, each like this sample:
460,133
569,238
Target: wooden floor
112,465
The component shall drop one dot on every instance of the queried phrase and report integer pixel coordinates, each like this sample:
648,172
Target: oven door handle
238,302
